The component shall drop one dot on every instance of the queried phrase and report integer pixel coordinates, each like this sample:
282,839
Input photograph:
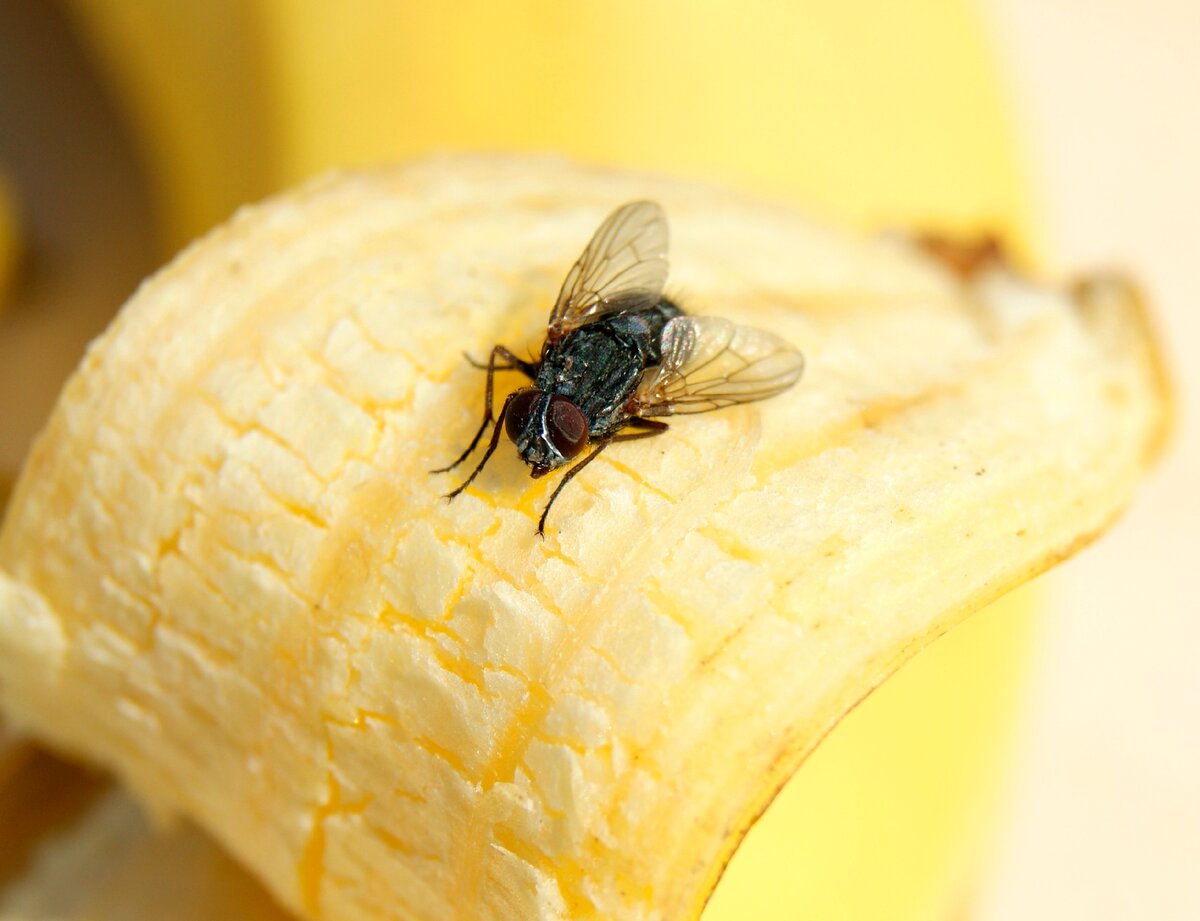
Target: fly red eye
519,411
567,426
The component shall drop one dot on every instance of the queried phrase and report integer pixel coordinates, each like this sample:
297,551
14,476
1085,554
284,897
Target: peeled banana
226,574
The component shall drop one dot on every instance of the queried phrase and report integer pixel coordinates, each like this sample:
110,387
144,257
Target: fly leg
651,428
528,368
491,448
600,446
516,364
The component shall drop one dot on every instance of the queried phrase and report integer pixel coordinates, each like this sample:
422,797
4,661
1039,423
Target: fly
618,354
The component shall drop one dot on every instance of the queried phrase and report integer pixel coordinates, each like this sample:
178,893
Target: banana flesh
226,575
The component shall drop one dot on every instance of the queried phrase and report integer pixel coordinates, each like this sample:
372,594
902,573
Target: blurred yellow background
8,239
869,112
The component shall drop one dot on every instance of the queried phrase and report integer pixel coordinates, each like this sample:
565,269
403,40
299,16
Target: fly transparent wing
623,268
709,362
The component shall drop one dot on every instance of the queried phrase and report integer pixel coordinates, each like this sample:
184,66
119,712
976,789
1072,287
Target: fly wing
623,268
709,362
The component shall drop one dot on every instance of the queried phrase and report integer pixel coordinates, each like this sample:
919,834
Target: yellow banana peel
226,574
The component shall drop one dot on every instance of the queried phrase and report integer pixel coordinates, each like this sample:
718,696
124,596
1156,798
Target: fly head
548,429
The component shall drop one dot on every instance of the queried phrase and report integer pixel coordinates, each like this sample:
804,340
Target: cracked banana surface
226,574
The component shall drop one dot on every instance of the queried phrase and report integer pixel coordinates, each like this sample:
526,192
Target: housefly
618,354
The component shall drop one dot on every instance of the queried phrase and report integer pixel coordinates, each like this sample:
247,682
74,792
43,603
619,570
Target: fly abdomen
645,329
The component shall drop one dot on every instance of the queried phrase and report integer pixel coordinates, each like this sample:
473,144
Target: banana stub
227,575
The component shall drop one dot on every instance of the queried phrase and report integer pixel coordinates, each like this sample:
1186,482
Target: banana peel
227,576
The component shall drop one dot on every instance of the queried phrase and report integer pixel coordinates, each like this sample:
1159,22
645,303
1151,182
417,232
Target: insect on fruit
618,353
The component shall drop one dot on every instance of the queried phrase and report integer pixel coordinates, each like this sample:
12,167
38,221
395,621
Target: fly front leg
514,364
651,427
491,449
600,446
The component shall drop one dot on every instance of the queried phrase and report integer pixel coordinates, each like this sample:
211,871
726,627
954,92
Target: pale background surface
1104,814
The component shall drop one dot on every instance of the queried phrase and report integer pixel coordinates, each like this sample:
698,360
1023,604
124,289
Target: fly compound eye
566,426
519,411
